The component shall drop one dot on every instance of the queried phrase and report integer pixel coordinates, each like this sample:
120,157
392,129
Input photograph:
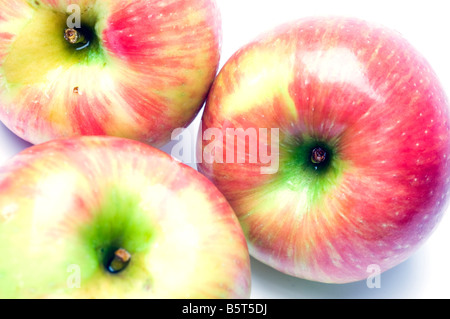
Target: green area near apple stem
310,165
119,224
41,47
79,248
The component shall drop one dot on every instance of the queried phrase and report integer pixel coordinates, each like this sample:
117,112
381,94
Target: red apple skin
158,61
363,89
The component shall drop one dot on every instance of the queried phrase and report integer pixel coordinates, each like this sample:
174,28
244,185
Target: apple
362,142
108,217
134,69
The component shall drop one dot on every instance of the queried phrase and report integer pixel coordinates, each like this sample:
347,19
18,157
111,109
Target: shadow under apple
10,143
398,282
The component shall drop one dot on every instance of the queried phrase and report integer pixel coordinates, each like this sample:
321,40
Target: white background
427,26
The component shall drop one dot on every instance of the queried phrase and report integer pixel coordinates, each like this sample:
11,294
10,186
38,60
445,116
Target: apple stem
318,155
74,36
120,261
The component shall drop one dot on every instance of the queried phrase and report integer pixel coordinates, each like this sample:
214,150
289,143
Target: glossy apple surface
363,95
67,206
144,68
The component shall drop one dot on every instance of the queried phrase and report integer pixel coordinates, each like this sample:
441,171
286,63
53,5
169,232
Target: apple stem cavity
318,155
120,261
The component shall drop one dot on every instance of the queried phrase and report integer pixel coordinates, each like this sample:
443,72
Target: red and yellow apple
107,217
363,147
140,69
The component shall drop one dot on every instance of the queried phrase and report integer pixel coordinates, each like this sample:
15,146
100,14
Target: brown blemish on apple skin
148,285
75,90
